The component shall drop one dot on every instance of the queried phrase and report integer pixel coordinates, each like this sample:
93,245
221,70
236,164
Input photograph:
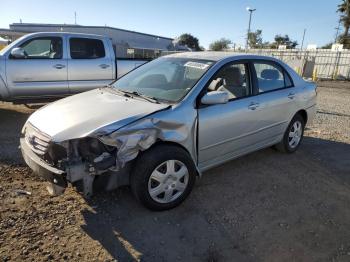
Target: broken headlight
97,154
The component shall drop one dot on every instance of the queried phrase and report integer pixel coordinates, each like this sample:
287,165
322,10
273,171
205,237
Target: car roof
218,55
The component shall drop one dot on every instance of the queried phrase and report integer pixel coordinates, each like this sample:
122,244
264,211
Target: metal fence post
336,65
304,61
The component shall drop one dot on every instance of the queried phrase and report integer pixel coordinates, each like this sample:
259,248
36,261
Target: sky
208,20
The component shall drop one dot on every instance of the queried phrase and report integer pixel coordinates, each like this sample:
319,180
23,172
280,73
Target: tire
286,144
159,179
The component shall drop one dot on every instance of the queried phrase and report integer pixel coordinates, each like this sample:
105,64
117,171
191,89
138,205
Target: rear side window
270,77
84,48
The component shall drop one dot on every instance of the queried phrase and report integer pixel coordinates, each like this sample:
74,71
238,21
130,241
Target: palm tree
344,9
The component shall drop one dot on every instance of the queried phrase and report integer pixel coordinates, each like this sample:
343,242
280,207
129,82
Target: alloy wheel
295,134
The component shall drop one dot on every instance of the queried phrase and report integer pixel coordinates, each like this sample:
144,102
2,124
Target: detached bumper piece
55,176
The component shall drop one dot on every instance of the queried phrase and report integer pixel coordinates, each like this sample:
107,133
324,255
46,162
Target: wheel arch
303,114
172,143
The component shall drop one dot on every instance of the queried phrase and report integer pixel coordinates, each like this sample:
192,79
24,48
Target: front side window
270,77
233,79
43,48
168,78
85,48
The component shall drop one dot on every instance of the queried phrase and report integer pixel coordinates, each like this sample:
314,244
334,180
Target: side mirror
18,52
215,97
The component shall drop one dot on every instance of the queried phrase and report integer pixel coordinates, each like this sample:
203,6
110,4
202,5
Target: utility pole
250,10
302,42
337,32
75,17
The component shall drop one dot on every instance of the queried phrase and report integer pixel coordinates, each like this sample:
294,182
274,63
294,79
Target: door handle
59,66
103,66
291,95
253,106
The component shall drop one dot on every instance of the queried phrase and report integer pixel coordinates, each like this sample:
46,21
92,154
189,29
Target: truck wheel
293,135
163,177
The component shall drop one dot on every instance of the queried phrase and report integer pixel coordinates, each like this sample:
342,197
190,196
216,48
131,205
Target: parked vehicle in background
43,66
164,123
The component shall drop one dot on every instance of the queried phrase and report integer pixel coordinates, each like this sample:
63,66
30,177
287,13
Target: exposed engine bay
83,160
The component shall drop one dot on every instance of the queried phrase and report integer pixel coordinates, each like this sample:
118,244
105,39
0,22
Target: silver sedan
160,126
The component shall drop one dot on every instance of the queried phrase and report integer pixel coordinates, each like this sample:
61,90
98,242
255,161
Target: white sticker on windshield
196,65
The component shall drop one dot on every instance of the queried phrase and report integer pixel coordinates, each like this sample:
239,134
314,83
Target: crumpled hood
80,115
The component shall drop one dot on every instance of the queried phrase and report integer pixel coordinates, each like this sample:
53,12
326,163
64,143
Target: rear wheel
293,135
163,177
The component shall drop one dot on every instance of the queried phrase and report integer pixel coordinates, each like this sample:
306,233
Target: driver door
228,130
43,70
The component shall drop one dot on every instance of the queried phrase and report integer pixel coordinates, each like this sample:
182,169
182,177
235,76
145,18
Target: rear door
89,65
42,72
276,94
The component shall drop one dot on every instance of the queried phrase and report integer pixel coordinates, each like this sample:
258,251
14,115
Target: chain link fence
315,64
123,51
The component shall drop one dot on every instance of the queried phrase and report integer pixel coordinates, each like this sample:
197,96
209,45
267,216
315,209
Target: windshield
167,79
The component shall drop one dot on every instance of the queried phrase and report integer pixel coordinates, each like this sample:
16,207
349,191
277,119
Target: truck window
43,48
85,48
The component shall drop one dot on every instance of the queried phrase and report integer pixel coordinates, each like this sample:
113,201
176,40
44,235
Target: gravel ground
266,206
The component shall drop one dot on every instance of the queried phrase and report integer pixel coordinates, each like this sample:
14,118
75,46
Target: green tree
345,40
190,41
284,40
344,9
255,39
327,46
220,44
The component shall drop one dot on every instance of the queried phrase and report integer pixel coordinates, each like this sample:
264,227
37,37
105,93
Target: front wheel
293,135
163,177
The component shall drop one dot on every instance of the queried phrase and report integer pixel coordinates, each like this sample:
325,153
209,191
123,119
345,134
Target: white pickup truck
45,66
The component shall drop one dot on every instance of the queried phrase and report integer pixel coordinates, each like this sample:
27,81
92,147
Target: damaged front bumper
39,166
74,171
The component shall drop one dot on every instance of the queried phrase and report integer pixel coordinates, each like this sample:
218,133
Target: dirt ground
266,206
